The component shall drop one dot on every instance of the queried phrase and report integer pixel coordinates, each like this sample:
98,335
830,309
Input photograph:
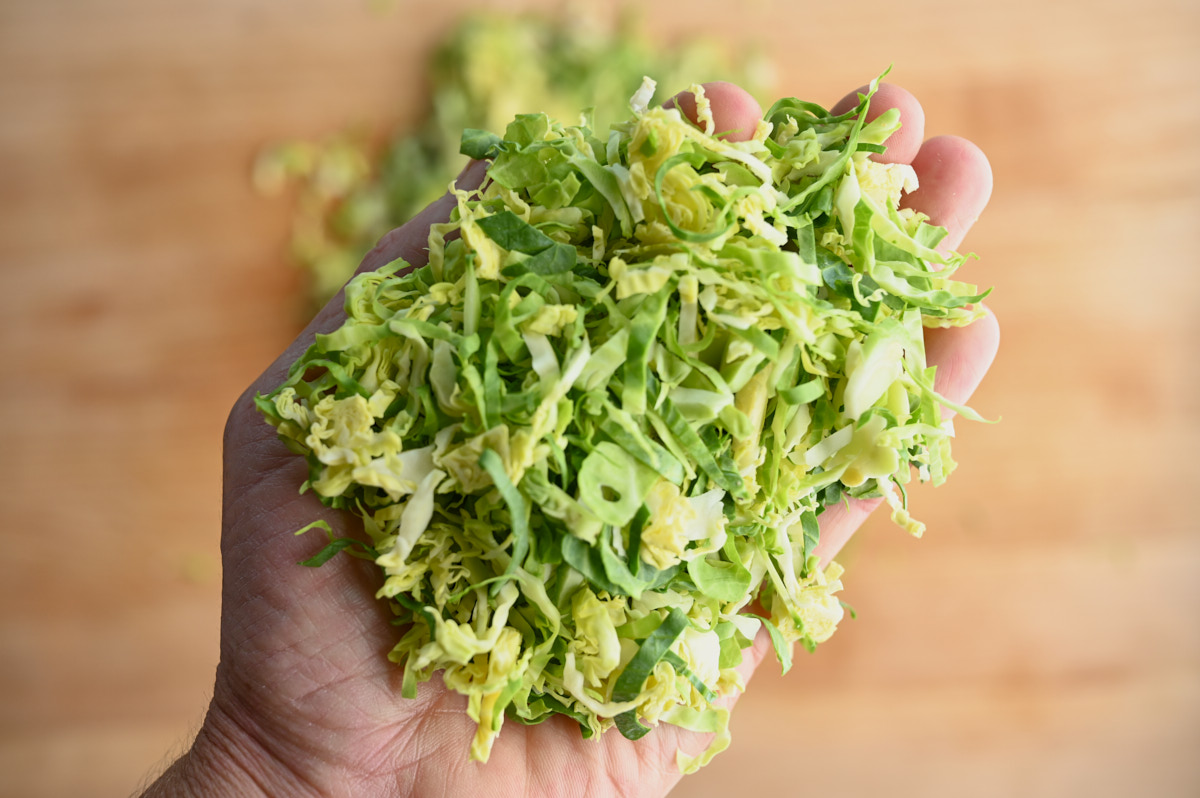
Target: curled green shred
603,421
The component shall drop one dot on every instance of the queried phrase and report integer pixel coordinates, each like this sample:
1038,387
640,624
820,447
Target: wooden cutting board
1042,640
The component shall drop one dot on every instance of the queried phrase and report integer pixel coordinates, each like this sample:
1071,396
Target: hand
305,701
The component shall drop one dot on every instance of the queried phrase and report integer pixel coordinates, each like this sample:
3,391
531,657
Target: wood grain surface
1043,639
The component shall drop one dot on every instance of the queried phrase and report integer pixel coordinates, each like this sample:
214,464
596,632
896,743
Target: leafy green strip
783,649
642,336
701,454
336,545
635,538
516,235
479,144
490,461
682,669
552,705
812,533
629,684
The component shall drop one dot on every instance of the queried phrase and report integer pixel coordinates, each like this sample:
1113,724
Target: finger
962,356
905,143
839,522
955,185
735,112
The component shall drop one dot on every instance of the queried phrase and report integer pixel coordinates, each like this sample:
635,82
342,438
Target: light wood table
1042,640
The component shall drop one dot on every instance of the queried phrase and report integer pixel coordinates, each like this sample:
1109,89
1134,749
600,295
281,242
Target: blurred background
158,248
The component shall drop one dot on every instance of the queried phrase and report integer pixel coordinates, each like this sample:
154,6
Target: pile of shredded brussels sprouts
600,425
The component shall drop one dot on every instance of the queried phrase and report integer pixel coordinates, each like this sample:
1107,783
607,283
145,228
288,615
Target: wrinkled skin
305,701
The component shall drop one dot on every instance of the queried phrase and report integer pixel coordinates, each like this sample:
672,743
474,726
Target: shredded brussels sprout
604,419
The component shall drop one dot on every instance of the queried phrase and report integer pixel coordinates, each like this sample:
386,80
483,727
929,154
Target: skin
305,701
735,113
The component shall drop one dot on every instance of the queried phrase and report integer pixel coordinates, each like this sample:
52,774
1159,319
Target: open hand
306,701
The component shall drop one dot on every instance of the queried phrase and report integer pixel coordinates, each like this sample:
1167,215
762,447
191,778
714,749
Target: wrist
225,760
